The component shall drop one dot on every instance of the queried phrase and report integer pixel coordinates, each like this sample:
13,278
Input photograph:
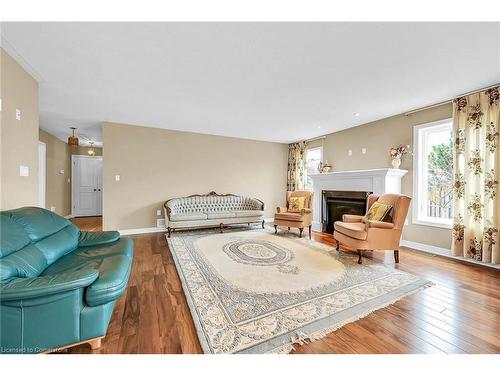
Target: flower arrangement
397,153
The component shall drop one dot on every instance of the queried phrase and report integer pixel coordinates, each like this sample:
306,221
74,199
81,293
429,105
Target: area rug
251,291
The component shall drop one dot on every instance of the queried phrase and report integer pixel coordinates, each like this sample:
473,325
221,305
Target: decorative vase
396,162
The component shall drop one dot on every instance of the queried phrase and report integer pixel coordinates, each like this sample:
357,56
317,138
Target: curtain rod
315,139
448,101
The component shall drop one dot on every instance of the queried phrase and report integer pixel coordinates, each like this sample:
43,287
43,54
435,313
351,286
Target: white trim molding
127,232
70,216
441,251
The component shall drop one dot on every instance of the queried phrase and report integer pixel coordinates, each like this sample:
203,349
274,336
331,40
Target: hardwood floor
460,314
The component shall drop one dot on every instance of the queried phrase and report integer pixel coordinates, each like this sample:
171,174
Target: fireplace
337,203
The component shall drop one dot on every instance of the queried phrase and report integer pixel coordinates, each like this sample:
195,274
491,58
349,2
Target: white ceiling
267,81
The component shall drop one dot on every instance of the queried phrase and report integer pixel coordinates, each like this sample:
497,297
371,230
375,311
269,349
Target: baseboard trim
126,232
441,251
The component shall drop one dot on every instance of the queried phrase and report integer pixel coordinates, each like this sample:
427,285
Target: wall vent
160,223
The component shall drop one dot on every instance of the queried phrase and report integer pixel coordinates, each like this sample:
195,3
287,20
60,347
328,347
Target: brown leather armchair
374,235
300,220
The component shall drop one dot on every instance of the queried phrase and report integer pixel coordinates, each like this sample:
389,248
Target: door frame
42,174
73,193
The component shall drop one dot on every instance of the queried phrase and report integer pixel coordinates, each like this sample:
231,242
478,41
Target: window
433,174
314,156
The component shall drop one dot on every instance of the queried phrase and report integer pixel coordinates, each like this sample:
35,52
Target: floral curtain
296,166
476,169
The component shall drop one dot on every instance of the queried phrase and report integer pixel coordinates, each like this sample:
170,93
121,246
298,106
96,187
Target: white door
42,170
86,185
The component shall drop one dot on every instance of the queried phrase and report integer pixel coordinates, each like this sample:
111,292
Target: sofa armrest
351,218
23,288
97,238
379,224
281,209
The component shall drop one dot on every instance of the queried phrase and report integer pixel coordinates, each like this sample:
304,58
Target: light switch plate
363,150
158,212
117,177
24,171
349,152
18,114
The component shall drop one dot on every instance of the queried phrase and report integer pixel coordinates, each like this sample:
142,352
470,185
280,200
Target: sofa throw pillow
378,211
296,204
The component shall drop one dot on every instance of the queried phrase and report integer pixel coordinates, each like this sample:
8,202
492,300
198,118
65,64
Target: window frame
320,148
419,172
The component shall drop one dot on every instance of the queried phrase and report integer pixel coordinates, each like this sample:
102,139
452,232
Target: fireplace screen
337,203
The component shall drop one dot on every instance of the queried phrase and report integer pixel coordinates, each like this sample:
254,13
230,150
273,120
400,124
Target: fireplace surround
378,181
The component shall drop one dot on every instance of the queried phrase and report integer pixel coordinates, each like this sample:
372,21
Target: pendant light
72,139
91,150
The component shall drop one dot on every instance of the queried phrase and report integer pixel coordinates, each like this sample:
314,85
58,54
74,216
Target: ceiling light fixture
319,127
356,114
72,139
91,150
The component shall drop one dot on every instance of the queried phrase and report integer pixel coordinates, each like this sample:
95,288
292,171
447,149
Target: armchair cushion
379,224
23,288
288,216
97,238
352,218
354,230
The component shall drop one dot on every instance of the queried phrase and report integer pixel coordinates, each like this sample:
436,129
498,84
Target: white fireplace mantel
377,181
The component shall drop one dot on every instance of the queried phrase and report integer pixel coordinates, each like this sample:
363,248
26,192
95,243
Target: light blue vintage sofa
58,285
212,210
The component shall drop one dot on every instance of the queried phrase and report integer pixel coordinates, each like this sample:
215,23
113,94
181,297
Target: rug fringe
302,338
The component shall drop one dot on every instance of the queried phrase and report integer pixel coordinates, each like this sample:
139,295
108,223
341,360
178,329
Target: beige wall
19,139
57,185
155,165
377,137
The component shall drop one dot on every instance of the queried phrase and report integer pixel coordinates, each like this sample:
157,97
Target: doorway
86,185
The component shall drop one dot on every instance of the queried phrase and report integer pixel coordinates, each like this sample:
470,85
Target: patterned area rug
251,291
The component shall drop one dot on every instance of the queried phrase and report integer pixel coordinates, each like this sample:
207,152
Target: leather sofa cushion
188,216
12,236
97,238
37,222
59,243
354,230
114,263
114,272
288,216
220,214
27,262
249,213
85,255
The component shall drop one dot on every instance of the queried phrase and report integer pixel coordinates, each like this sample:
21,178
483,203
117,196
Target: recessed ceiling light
319,127
356,114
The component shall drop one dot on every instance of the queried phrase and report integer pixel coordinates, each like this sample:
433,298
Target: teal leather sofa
58,285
